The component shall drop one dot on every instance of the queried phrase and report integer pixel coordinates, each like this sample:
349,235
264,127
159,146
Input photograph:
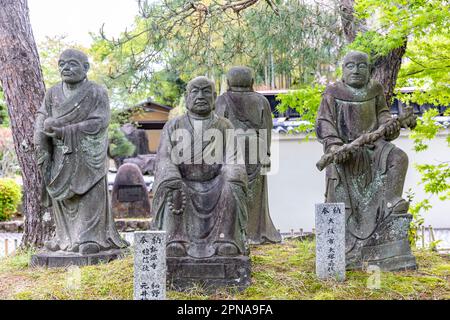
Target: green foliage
4,117
427,68
305,101
436,179
166,87
298,44
119,145
424,26
10,198
425,130
417,219
391,22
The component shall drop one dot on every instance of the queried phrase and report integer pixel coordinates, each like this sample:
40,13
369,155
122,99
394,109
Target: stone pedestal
388,248
183,273
62,259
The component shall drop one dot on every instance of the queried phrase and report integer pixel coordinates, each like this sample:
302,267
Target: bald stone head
200,96
356,69
240,77
73,66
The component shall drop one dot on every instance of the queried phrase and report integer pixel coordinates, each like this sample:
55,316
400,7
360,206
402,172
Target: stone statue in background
200,195
250,113
364,169
71,137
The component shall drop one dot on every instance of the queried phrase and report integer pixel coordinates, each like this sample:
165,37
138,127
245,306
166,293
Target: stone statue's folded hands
54,132
49,123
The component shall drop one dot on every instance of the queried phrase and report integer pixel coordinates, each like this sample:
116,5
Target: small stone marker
129,196
330,241
150,265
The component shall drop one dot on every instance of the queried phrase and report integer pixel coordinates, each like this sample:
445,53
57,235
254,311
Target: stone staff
407,119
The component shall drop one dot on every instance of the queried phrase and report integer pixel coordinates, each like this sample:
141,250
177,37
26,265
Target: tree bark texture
22,82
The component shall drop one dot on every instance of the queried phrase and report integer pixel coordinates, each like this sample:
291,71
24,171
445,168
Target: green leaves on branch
436,179
391,22
306,102
427,67
426,130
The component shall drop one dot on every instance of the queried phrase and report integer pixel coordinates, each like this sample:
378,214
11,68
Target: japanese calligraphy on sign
150,265
330,241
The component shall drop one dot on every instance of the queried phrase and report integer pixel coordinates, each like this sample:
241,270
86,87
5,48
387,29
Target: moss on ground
283,271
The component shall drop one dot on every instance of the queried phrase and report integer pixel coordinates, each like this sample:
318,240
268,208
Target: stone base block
388,248
185,273
399,263
62,259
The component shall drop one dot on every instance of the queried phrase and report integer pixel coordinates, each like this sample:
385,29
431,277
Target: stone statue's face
72,70
356,71
200,98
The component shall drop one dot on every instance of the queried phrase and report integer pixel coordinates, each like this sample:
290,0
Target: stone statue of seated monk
200,195
201,205
370,179
71,137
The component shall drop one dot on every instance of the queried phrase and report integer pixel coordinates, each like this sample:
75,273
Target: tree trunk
22,82
385,68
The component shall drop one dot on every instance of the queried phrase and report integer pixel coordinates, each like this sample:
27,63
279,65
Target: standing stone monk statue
250,113
365,170
200,195
71,136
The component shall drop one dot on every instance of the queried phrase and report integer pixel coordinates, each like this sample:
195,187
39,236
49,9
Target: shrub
10,197
119,145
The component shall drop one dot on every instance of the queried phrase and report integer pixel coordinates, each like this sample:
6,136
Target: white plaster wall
295,184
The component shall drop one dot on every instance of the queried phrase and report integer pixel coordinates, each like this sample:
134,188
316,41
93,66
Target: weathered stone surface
12,226
71,138
330,241
212,273
389,247
129,195
62,259
150,265
132,225
250,113
364,169
145,162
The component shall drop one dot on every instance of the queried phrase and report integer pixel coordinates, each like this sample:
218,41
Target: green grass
284,271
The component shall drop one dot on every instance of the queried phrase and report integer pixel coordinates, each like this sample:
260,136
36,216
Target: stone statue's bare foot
227,249
52,245
176,250
89,248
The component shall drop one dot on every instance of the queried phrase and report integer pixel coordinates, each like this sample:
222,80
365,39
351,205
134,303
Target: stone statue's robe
75,167
365,182
215,210
249,110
